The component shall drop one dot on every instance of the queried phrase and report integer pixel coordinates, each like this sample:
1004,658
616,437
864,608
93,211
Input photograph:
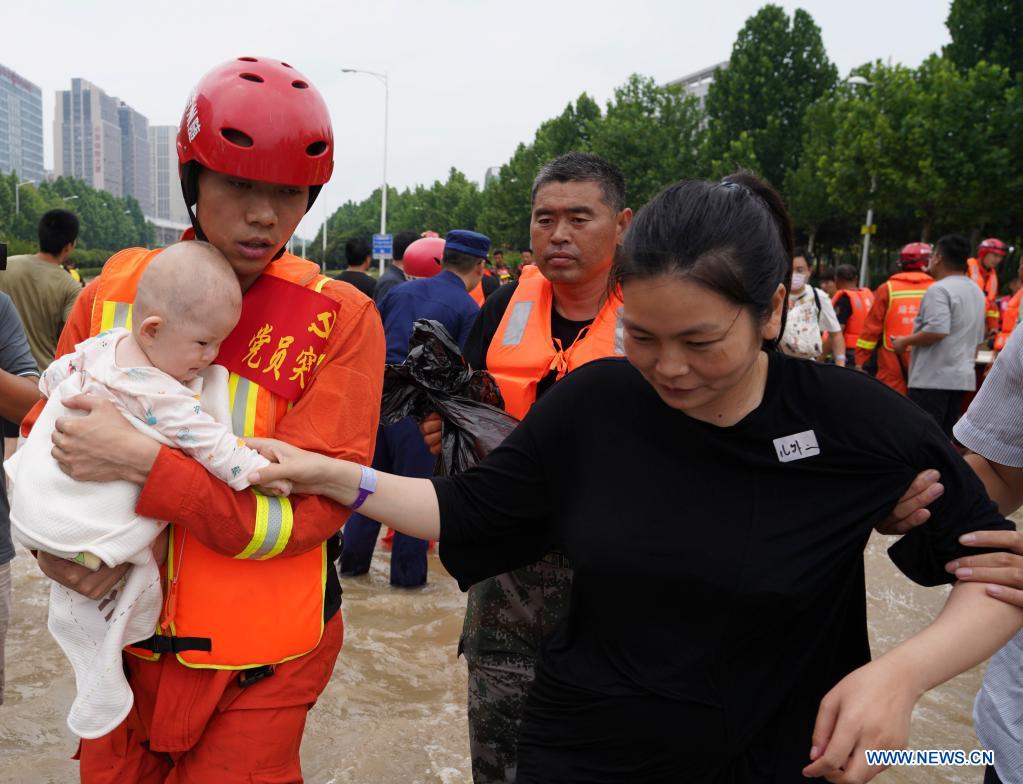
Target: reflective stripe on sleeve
869,345
272,530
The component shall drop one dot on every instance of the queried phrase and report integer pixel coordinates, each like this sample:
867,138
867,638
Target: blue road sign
383,245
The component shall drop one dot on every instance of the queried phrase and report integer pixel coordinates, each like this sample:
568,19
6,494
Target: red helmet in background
423,257
991,245
915,255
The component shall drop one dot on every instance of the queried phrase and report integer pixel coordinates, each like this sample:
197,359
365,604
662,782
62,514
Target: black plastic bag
435,378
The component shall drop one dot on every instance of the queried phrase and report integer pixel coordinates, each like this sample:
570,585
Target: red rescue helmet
258,119
991,245
423,257
915,255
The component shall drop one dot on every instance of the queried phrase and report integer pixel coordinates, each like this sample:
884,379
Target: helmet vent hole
236,137
316,148
300,84
251,77
286,65
248,59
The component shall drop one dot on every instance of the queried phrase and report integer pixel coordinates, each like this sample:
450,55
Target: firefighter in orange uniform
1010,316
896,303
251,625
852,304
983,271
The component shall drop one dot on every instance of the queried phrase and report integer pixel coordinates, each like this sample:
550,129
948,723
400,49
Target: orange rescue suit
477,294
1010,318
197,716
896,303
523,351
987,279
861,301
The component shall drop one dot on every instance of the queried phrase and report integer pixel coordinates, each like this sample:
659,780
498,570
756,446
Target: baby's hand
277,487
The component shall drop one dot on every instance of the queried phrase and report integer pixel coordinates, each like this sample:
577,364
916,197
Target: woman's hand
308,472
1003,570
869,709
101,446
93,585
911,510
432,430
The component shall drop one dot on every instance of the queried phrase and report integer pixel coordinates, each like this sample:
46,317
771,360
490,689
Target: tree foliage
986,30
108,223
778,68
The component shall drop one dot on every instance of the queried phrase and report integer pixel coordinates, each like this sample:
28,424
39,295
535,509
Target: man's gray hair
585,167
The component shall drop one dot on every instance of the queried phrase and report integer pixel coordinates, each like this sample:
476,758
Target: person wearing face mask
811,316
730,444
896,303
946,333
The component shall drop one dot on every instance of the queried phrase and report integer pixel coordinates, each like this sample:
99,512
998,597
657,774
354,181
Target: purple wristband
367,486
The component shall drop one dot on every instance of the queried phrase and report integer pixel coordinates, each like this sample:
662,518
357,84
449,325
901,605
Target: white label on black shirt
797,446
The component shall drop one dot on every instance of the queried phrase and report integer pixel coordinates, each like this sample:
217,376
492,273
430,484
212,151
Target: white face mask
798,281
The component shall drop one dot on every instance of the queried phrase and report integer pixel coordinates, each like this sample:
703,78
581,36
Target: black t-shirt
844,309
718,591
365,283
482,333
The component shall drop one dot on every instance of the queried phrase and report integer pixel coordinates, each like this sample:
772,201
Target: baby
187,302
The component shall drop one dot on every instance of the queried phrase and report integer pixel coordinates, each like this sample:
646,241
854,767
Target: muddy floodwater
394,712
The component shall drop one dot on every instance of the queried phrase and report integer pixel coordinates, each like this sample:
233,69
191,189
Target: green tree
652,133
806,187
989,30
740,154
778,67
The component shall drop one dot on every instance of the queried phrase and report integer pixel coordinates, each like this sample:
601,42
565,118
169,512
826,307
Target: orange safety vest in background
905,293
223,612
477,294
987,279
522,351
1010,318
861,301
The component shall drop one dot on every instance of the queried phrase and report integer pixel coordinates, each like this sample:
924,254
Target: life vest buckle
247,677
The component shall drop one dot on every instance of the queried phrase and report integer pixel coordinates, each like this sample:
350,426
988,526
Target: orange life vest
1010,318
523,350
905,293
477,294
223,612
988,282
861,301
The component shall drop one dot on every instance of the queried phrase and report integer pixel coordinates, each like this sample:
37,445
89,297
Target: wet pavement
394,712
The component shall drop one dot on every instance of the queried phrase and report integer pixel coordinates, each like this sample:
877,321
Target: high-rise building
135,167
168,203
103,141
87,137
21,126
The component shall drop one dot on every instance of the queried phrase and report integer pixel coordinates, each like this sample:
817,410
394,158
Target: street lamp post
381,77
17,195
860,81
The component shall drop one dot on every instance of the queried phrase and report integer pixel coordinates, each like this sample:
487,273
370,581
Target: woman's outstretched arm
404,504
870,708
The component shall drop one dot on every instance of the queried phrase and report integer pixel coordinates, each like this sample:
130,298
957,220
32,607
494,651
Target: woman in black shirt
707,634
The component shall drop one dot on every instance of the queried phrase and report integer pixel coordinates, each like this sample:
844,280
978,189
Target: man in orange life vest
852,304
983,270
251,625
529,334
896,303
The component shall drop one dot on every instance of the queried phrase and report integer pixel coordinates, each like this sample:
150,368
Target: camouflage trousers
506,618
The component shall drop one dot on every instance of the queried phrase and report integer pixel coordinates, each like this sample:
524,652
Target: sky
469,79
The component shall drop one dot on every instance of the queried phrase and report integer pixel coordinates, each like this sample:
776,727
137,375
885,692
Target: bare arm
837,341
871,707
404,504
17,395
